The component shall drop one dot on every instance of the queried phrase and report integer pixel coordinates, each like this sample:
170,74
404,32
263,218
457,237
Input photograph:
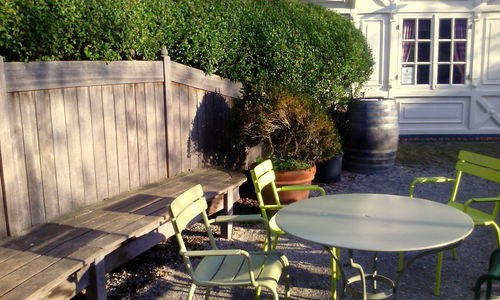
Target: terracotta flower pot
299,177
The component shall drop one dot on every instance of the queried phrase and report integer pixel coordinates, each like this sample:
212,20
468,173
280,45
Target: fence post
167,88
7,190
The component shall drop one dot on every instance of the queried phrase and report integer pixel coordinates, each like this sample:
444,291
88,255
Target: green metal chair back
263,178
223,267
477,165
185,209
480,166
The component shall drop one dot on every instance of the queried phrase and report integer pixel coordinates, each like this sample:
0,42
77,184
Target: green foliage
304,47
290,125
297,45
286,164
289,164
82,29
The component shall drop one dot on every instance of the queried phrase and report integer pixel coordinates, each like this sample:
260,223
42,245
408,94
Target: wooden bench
59,259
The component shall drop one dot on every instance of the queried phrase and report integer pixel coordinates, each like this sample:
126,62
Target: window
416,51
419,39
452,43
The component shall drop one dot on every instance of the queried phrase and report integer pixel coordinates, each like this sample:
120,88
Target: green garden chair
493,274
228,267
263,178
476,165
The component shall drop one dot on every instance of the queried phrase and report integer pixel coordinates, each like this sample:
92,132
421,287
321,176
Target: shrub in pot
329,170
294,130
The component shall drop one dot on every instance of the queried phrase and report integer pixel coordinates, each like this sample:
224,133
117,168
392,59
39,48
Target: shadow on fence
211,134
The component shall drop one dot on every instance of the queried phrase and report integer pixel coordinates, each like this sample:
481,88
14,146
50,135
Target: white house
440,60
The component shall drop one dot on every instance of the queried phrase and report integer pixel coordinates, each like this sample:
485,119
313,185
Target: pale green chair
263,178
476,165
228,267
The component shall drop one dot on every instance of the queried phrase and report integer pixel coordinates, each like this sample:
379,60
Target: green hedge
298,45
82,29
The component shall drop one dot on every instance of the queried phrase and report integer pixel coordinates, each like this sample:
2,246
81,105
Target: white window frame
434,39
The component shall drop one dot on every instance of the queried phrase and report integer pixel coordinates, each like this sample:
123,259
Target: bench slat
24,273
44,280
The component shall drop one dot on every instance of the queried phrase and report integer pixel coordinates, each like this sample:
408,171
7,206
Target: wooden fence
76,133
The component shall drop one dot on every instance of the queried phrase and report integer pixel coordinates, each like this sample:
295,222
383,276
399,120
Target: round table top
375,222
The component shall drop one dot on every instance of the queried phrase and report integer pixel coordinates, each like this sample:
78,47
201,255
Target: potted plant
294,130
329,170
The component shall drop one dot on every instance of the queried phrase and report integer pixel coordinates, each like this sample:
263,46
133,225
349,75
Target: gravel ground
160,273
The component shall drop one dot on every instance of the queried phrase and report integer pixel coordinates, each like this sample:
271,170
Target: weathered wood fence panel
5,150
76,133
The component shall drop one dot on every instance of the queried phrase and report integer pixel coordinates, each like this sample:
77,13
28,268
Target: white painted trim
487,46
432,101
381,63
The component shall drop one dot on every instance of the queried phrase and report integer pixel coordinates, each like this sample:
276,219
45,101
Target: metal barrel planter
373,135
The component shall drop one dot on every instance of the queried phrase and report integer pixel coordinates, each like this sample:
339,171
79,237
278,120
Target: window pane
444,51
409,29
460,28
459,51
445,28
458,74
443,74
424,28
408,52
424,51
423,74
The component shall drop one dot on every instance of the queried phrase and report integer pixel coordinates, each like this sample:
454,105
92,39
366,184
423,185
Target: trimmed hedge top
298,45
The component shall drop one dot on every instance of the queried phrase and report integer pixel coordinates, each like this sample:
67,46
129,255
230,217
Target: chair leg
477,288
454,253
275,294
497,230
258,292
488,289
264,247
270,242
439,267
275,242
286,273
287,283
477,293
207,293
401,261
192,288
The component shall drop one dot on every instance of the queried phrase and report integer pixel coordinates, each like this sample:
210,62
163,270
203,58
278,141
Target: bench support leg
229,198
97,288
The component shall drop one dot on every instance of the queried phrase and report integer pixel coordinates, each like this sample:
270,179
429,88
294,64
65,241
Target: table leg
338,274
375,266
336,270
362,276
363,279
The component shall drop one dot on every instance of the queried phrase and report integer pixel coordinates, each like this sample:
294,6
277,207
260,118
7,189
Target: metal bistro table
376,223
